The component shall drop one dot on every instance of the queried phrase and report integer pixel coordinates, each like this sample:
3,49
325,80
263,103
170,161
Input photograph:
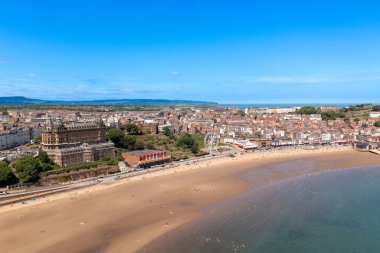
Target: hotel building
76,143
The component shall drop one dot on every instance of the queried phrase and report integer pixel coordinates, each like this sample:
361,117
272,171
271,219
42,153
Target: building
374,114
245,144
14,137
281,110
329,108
76,143
146,158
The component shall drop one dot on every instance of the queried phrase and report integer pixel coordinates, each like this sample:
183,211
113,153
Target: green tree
6,175
133,129
44,158
377,124
4,111
376,108
186,141
116,136
150,146
168,132
307,110
27,169
332,115
129,142
356,120
194,148
139,145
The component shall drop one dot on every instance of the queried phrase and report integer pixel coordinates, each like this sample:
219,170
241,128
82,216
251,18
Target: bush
307,110
186,141
28,169
168,132
332,115
139,145
377,124
133,129
6,175
194,148
116,136
129,142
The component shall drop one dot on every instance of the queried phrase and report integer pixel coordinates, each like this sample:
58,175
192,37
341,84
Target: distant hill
19,100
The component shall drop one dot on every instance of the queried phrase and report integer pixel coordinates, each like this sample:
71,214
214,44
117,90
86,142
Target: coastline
128,214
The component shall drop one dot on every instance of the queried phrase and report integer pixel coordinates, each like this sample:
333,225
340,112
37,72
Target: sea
325,212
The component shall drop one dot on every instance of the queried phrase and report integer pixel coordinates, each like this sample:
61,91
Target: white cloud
287,79
3,60
174,73
352,76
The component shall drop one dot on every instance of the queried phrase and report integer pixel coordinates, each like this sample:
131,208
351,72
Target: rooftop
143,152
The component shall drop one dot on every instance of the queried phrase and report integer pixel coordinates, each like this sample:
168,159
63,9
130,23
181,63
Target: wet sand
127,215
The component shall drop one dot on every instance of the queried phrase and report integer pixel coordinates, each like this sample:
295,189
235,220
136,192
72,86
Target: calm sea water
336,211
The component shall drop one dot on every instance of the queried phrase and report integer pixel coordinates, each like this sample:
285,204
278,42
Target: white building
15,137
245,144
4,118
374,114
326,137
315,117
281,110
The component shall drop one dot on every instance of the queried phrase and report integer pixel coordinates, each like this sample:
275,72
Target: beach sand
126,215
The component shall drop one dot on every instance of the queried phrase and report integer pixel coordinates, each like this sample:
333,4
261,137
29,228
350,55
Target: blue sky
225,51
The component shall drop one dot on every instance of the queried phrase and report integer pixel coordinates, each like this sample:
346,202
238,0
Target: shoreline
278,153
151,205
220,225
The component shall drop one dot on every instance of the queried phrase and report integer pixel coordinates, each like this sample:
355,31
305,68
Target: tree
129,142
307,110
27,169
4,112
6,175
356,120
377,124
332,115
139,145
376,108
43,157
116,136
185,141
45,162
133,129
194,148
150,146
168,132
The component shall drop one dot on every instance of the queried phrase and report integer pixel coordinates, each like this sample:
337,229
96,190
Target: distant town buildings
374,114
73,136
15,137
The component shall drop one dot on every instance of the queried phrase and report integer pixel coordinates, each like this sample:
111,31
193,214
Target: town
53,145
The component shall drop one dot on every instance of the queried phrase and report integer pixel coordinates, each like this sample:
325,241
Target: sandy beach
124,216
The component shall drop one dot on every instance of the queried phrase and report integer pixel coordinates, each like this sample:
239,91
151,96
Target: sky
238,51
